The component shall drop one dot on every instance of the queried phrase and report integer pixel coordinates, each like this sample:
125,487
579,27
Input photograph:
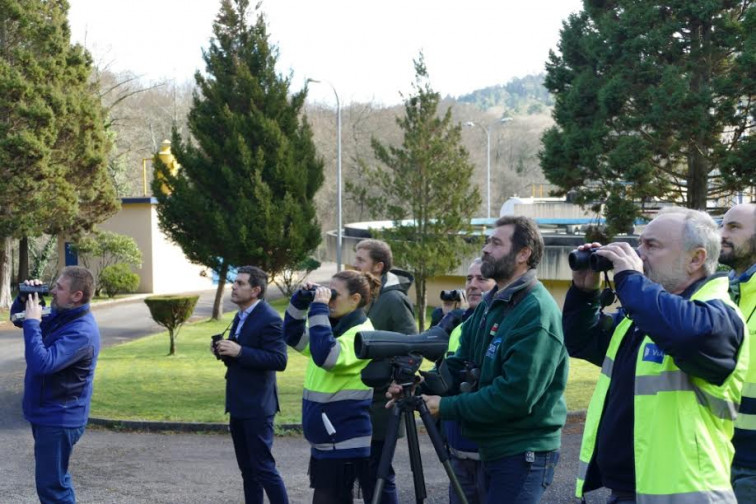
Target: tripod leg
416,463
387,455
438,445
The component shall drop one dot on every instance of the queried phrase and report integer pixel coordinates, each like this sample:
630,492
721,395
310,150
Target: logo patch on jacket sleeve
653,353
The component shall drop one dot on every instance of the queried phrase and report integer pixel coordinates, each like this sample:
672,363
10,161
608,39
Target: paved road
155,468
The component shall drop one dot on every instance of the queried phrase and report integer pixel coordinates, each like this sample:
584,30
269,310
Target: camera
470,376
397,356
215,339
308,295
26,289
451,295
431,344
585,259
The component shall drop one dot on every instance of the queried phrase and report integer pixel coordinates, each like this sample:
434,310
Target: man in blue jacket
672,360
253,352
61,354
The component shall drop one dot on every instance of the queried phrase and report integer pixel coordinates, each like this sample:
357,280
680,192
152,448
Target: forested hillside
521,95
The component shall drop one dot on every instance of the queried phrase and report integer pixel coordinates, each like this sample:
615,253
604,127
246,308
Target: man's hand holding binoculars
228,348
622,256
33,305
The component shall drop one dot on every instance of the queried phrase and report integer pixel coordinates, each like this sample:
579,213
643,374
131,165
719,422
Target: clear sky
364,48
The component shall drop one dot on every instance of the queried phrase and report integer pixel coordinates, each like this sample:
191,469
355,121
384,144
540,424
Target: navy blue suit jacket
251,378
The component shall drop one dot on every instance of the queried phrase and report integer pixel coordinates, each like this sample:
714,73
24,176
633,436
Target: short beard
740,259
501,269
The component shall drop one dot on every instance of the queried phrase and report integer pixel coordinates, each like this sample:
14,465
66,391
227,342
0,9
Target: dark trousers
389,495
253,440
52,451
521,478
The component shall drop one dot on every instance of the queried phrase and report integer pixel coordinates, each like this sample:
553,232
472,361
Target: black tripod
405,407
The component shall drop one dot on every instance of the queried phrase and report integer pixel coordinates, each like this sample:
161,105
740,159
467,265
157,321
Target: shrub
171,312
118,278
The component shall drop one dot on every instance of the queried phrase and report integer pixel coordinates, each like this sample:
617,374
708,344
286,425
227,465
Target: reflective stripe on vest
683,424
358,442
341,395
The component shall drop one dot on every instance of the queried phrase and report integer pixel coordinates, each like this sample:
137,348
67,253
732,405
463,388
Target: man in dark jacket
254,351
61,355
514,410
392,311
671,366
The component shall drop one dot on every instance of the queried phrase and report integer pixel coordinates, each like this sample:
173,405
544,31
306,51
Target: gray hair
700,231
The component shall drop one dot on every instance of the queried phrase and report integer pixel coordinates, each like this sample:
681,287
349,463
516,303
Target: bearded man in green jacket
515,410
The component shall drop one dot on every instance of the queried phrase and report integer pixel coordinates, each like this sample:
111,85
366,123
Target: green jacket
515,337
392,311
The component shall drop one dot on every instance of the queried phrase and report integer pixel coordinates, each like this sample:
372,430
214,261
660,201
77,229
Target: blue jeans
521,478
472,479
253,440
52,451
744,483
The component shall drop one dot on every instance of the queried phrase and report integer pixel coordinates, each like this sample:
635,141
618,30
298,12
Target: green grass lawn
139,381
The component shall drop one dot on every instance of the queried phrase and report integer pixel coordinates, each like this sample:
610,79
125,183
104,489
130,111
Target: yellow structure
167,158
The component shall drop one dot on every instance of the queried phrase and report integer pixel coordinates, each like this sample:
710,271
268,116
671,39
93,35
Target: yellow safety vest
747,305
342,379
454,340
683,424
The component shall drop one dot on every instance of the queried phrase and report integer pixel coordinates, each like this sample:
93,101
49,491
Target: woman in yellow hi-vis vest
335,402
673,360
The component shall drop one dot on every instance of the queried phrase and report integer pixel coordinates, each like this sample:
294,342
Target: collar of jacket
69,312
505,296
692,288
746,276
348,321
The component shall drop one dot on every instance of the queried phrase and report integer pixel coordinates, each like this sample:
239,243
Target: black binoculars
585,259
451,295
308,295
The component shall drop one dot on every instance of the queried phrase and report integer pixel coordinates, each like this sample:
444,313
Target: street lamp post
339,235
487,129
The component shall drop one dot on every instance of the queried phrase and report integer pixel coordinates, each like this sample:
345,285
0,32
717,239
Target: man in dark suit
253,352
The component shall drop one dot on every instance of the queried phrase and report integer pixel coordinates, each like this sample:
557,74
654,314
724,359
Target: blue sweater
61,356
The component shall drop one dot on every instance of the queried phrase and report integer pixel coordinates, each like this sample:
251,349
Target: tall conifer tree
244,192
654,100
425,187
49,180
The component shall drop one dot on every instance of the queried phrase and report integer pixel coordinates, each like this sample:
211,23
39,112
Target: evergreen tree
654,101
47,114
244,191
426,189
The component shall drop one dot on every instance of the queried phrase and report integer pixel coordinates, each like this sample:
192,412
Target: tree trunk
217,304
698,171
23,260
172,350
5,272
420,287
